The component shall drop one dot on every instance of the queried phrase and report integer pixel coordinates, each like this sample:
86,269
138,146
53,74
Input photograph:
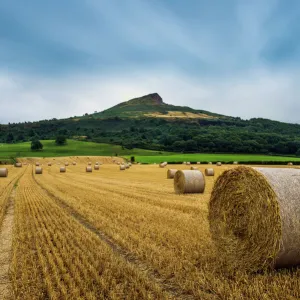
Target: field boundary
174,291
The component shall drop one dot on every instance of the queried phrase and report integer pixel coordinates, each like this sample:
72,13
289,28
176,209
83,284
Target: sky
66,58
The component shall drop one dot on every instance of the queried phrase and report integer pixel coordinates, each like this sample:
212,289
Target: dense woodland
227,135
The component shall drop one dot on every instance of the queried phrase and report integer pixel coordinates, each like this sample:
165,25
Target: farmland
115,235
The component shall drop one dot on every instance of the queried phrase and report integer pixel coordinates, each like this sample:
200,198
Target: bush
36,145
60,140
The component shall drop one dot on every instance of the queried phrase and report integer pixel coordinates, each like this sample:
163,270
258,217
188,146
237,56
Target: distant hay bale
89,163
96,167
198,162
210,163
96,163
184,163
122,167
37,164
118,163
209,172
66,164
3,172
254,218
127,166
188,163
163,164
171,173
188,181
49,164
18,165
89,169
290,164
38,170
235,163
74,163
62,169
219,164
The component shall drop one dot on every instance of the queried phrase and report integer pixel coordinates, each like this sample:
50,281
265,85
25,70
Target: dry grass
110,234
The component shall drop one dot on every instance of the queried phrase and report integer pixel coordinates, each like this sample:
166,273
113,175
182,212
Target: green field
80,148
72,148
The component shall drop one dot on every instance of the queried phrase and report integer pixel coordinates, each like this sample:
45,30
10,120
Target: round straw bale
96,167
63,169
49,164
118,163
89,163
188,163
96,163
194,168
184,163
89,169
254,217
235,163
122,167
210,163
38,170
219,164
74,163
198,162
37,164
127,166
18,165
290,164
3,172
66,164
161,165
188,181
209,172
171,173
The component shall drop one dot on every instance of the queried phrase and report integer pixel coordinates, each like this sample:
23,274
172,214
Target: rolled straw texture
62,170
96,167
209,172
254,218
38,170
188,181
89,169
3,172
171,173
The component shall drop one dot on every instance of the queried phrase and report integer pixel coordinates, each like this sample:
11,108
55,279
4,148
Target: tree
9,138
36,145
60,140
132,159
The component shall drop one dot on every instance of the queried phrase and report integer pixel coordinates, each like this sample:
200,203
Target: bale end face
96,167
89,169
188,181
63,169
171,173
18,165
3,172
209,172
38,170
244,220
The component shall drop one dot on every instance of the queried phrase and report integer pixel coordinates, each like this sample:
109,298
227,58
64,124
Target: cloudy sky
65,58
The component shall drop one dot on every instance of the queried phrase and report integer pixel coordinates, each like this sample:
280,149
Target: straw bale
3,172
219,164
89,169
209,172
194,168
63,169
122,167
188,181
254,218
38,170
96,167
18,165
171,173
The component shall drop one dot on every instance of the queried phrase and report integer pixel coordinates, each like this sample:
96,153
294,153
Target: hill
152,105
149,123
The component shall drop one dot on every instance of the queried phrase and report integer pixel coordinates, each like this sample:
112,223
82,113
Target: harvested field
116,235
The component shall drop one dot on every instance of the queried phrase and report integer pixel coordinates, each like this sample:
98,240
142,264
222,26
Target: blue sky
65,58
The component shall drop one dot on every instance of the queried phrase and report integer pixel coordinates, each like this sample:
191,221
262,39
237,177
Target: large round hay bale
188,163
194,168
118,163
62,169
18,165
188,181
254,217
37,164
184,163
3,172
235,163
96,163
89,163
89,169
96,167
198,163
66,164
290,164
210,163
127,166
38,170
209,172
122,167
49,164
171,173
74,163
219,164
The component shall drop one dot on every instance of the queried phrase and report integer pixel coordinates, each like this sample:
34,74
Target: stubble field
114,234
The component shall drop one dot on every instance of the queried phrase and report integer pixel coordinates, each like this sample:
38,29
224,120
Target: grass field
120,235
